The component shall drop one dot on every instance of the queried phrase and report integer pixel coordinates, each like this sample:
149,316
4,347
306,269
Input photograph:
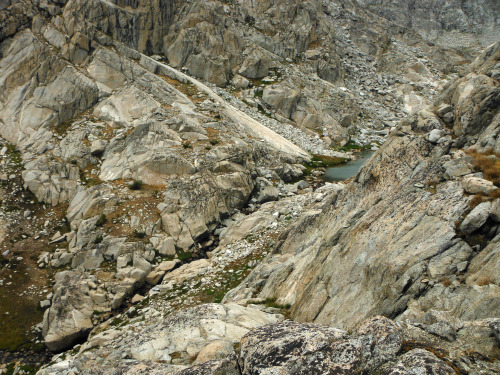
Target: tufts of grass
488,163
271,302
136,185
183,255
353,146
101,221
446,281
475,201
483,281
325,161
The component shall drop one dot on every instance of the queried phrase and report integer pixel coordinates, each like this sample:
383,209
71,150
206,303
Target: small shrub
271,302
476,200
139,234
208,148
214,141
250,20
136,185
101,221
446,281
495,194
187,145
483,281
488,163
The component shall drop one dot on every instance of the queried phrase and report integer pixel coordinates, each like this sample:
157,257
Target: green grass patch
271,302
322,161
183,255
353,146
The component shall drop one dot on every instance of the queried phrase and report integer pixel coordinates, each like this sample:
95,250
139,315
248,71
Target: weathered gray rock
476,218
442,329
289,345
495,210
283,98
256,64
51,181
420,361
386,234
267,194
457,167
435,135
476,185
67,321
240,82
98,147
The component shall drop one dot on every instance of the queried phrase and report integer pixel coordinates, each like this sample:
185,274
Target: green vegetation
182,255
90,180
187,145
250,238
353,146
101,221
214,141
271,302
136,185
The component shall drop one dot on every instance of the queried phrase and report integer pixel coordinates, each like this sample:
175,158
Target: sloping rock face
404,237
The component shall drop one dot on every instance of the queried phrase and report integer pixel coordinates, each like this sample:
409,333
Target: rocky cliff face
415,232
457,22
152,153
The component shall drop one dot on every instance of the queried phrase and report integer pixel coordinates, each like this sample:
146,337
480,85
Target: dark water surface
344,171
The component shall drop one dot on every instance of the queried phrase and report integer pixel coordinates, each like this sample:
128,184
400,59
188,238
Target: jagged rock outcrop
235,340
